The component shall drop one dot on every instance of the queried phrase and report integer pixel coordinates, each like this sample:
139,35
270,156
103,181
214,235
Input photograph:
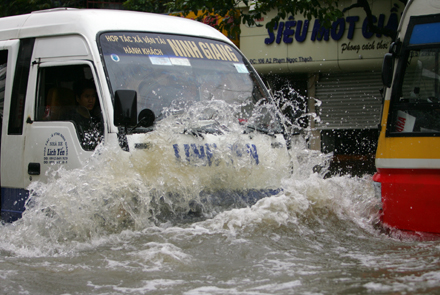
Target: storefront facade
336,69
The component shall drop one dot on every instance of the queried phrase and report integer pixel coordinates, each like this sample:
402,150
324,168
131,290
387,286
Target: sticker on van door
56,150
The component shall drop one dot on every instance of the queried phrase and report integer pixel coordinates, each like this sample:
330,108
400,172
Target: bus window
415,110
68,93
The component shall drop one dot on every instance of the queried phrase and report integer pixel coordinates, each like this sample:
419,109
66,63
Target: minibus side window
3,68
68,93
19,88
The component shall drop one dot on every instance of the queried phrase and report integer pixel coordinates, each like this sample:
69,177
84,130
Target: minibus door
52,140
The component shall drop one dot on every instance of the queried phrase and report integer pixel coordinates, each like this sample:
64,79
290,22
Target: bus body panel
408,161
410,198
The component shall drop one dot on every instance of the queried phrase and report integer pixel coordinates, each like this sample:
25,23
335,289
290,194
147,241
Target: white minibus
75,80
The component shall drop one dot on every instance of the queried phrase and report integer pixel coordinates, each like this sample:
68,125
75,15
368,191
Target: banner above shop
301,45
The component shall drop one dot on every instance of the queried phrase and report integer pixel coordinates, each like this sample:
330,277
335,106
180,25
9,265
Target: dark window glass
3,68
19,88
416,108
68,93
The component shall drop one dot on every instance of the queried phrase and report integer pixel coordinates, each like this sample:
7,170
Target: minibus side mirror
125,108
387,69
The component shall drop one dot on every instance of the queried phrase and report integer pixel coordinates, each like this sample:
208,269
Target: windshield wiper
146,120
140,129
261,130
214,128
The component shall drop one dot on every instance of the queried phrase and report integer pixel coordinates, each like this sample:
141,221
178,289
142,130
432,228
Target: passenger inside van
86,114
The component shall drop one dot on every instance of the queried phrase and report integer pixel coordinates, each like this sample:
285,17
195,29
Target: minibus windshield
172,71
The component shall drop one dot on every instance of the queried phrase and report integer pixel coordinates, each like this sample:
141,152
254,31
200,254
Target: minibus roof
88,22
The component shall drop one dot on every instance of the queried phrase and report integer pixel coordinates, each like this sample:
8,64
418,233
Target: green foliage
156,6
247,13
22,6
224,15
14,7
325,10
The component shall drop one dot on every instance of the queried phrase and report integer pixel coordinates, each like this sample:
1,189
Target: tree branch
371,26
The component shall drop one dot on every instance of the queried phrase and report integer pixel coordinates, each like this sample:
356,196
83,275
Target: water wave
118,192
107,197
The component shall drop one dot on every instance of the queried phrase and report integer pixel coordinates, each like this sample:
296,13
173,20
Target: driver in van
86,114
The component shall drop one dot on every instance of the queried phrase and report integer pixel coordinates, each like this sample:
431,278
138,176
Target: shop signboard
300,45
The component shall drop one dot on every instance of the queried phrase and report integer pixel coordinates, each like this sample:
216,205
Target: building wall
340,68
296,44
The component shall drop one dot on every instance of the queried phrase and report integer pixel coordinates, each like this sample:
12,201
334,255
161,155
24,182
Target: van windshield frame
167,70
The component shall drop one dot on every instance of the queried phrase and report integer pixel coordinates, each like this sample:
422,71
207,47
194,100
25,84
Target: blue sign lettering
300,37
286,30
352,20
338,33
319,32
252,151
203,154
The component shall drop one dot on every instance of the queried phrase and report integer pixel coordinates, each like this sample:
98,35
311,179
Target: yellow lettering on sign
151,51
205,50
132,50
112,38
137,39
191,49
160,40
185,50
216,54
227,52
149,40
175,47
231,53
124,38
209,50
223,52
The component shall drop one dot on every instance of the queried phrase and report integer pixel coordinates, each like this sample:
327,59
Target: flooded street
143,153
90,231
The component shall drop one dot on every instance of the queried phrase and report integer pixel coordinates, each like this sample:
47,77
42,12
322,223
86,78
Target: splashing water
118,190
121,225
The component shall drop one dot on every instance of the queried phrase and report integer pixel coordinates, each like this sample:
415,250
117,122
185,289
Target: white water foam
117,192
